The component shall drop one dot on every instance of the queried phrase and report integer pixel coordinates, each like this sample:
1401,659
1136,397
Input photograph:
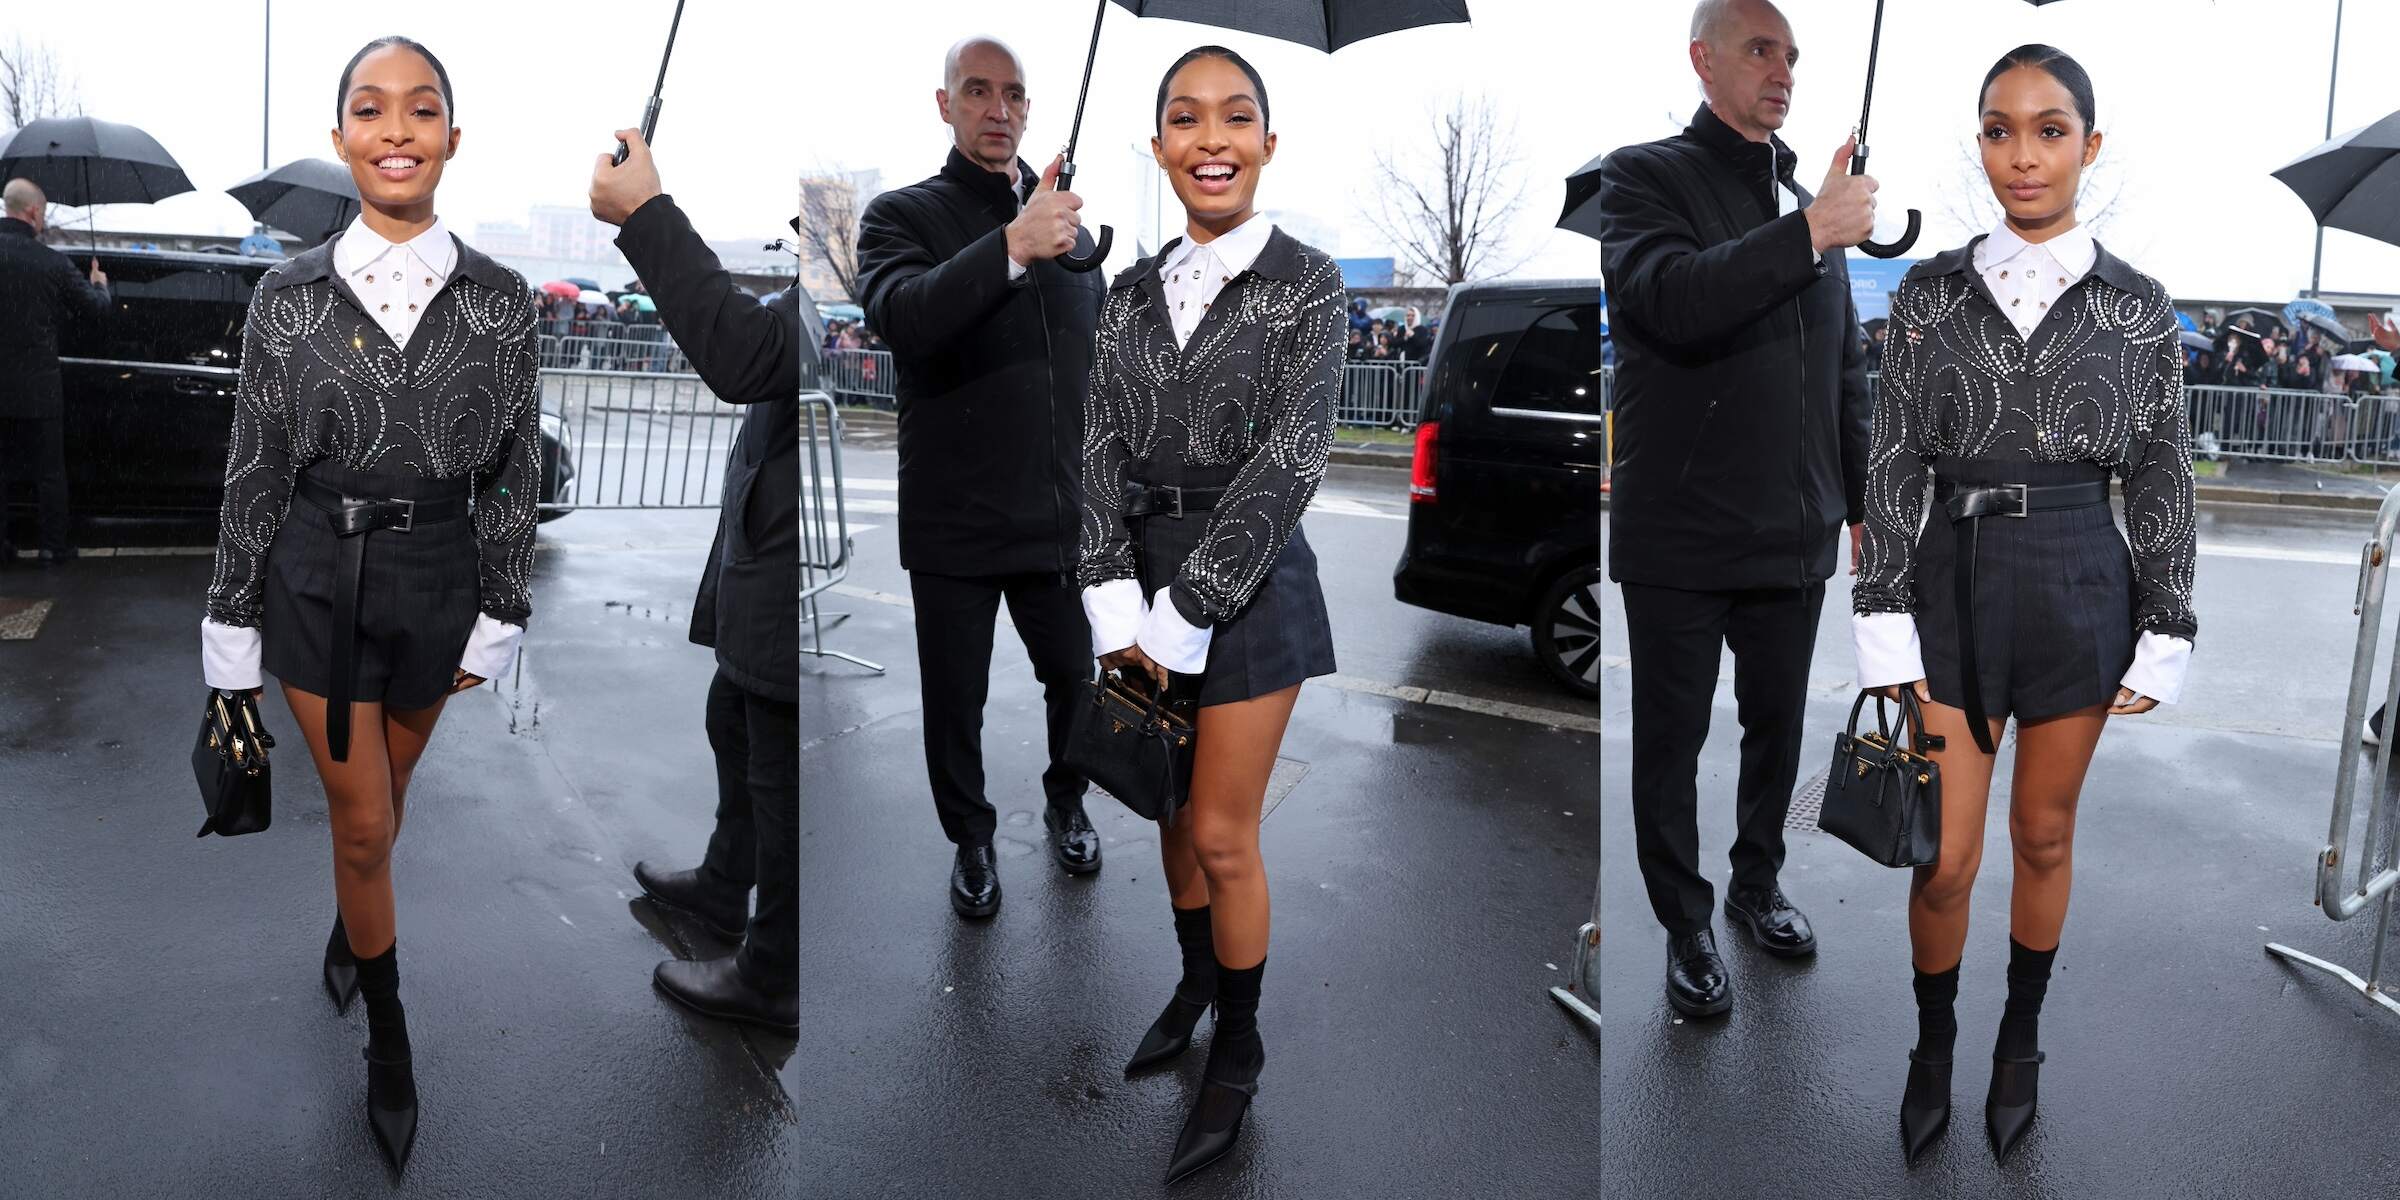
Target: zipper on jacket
1800,443
1058,508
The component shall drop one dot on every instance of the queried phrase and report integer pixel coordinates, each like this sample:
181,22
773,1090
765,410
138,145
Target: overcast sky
2200,100
539,88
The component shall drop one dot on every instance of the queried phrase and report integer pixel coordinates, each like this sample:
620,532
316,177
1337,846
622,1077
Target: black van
1504,519
150,390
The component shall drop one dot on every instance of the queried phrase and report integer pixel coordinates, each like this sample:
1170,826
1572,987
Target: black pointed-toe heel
2008,1112
1924,1106
1214,1126
1168,1036
341,968
392,1106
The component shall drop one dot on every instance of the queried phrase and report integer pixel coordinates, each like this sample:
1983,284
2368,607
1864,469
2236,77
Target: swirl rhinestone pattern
2099,382
1254,389
321,380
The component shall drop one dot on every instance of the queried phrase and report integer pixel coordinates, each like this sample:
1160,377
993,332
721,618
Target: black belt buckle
2015,491
376,513
1177,494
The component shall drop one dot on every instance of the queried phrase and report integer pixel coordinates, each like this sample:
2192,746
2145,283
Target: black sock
1236,1037
1199,983
2020,1018
387,1021
1937,1014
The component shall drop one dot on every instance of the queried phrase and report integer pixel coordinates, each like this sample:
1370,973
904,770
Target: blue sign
1366,272
1872,282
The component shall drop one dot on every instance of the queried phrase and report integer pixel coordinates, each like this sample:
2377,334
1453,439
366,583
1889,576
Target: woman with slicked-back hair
376,539
2021,372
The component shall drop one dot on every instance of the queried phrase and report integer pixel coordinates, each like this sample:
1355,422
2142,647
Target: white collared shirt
1194,272
395,282
2027,278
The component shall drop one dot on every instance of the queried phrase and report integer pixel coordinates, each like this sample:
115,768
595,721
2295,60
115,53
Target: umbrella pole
1858,156
1066,167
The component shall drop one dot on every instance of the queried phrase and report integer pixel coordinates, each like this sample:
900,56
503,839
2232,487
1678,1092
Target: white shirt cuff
491,648
229,656
1171,641
1016,271
1887,649
1114,610
2159,662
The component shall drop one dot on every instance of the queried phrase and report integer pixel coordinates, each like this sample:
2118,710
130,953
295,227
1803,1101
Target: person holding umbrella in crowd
1741,437
389,395
40,290
992,340
748,608
2026,368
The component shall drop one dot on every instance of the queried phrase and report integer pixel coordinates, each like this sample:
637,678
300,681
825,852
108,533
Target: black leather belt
353,518
1967,506
1164,500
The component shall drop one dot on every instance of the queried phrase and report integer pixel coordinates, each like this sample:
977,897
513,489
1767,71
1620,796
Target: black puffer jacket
1742,408
991,375
40,289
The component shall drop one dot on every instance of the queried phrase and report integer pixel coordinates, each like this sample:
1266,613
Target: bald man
992,340
1741,445
39,291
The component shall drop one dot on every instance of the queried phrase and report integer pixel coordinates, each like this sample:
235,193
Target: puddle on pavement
646,611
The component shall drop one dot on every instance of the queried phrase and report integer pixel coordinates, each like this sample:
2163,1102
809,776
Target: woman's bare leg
2052,757
1234,756
358,801
1938,895
405,733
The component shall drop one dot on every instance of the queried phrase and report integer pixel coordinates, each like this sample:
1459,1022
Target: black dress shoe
685,891
975,882
1168,1036
392,1105
1696,981
1215,1123
1073,840
715,988
2008,1109
1774,924
1924,1106
341,968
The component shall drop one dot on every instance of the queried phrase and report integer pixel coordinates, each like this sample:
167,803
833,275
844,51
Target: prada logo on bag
1862,768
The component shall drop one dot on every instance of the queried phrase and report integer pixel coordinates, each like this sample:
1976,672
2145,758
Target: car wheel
1566,630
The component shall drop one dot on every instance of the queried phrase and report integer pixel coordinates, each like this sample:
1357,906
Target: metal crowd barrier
630,348
862,377
1375,395
638,439
2351,881
824,521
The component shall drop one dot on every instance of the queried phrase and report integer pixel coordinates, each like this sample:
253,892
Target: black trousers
1677,637
44,441
955,615
757,839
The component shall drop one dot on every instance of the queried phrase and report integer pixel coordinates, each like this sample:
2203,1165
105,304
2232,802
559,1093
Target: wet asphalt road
2184,1061
165,1031
1429,863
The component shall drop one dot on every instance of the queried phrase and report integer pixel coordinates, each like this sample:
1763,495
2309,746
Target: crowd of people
624,337
851,335
2251,351
1375,339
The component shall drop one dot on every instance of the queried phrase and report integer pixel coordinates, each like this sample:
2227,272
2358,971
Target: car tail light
1421,468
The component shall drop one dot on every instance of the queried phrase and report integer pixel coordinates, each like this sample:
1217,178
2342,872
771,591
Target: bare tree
1446,207
829,208
32,86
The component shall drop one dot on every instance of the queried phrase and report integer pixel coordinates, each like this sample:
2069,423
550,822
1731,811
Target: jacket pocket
741,481
1699,442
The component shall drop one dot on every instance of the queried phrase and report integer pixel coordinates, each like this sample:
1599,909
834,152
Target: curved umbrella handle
1092,261
1894,249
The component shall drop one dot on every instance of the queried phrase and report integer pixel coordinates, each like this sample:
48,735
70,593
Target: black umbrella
1326,25
307,197
2353,181
80,161
1582,213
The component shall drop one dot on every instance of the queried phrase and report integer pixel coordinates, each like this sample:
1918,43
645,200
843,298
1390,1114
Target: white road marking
2280,554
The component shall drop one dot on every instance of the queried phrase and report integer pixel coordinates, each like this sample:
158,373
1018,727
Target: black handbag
230,762
1882,797
1130,740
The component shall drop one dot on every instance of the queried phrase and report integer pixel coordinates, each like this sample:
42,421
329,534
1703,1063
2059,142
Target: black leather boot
1073,841
1925,1105
2008,1110
1230,1081
1696,981
727,916
1171,1034
1777,927
341,967
391,1080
